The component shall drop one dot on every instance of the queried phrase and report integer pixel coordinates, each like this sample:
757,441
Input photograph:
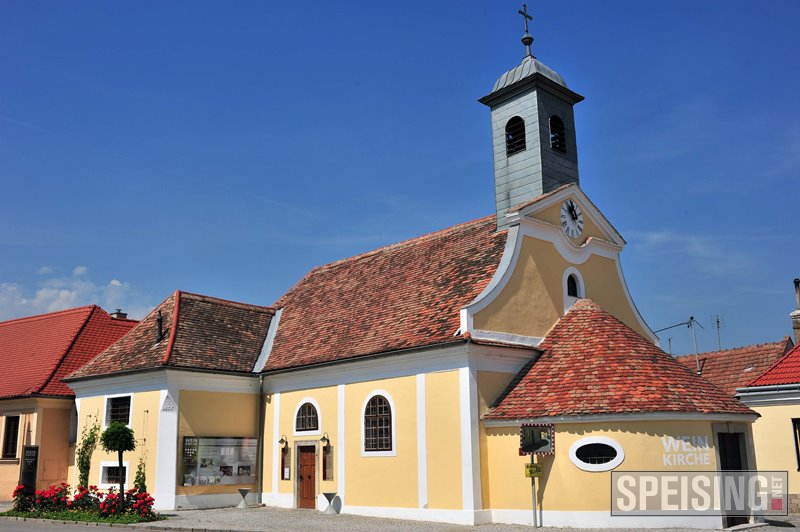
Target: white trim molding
586,466
581,286
470,445
266,349
301,433
422,445
393,417
167,450
601,519
340,440
604,418
276,448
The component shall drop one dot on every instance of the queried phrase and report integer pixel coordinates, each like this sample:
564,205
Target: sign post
30,463
533,440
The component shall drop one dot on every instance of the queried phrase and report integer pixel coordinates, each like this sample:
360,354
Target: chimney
160,327
796,314
119,315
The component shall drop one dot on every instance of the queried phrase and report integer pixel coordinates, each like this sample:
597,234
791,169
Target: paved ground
298,520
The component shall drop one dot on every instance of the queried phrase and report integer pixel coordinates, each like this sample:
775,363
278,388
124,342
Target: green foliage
118,438
140,482
84,450
82,516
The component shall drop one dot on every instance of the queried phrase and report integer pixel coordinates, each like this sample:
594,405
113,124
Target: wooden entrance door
731,448
306,476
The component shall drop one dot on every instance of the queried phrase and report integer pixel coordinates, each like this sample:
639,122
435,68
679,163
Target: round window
596,453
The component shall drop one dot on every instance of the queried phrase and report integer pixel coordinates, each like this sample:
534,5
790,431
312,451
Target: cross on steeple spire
527,39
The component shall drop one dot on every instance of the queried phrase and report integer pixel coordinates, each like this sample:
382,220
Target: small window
596,453
118,409
307,418
796,430
558,137
111,474
11,437
378,425
515,136
572,286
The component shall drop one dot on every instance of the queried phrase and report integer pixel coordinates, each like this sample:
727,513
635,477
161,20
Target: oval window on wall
596,453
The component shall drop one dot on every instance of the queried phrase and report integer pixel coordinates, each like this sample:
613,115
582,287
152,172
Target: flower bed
85,504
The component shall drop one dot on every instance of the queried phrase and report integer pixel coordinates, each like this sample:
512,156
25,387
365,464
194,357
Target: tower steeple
533,131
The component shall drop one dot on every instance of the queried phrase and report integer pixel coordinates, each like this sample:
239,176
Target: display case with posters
211,461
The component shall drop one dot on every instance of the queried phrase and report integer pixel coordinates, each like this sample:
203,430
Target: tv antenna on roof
691,323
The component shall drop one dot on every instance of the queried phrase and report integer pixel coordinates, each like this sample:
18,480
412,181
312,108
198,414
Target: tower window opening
515,136
572,286
558,137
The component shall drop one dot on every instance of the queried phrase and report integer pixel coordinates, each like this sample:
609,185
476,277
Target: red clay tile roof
38,351
730,369
785,370
592,363
212,334
400,296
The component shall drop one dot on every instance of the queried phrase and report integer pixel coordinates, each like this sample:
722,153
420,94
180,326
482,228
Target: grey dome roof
529,66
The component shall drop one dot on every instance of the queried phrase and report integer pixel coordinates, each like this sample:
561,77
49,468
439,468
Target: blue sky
227,148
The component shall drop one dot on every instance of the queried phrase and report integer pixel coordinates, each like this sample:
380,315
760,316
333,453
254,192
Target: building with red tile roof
730,369
36,407
593,364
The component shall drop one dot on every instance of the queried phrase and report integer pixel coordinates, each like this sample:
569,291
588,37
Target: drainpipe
795,315
260,443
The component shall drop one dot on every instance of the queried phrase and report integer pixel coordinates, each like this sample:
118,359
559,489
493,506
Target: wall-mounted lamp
283,441
325,440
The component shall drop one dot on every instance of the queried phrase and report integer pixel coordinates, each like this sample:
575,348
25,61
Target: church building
396,382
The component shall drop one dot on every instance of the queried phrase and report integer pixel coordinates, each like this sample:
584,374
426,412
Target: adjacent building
37,410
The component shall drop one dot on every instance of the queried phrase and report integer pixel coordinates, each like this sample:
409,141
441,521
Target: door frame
296,483
747,451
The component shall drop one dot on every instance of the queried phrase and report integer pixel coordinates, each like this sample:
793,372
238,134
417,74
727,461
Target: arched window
572,286
558,137
307,418
378,424
515,136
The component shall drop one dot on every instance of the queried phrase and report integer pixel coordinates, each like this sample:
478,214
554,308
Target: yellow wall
533,299
374,480
145,407
43,422
505,486
443,437
774,441
214,414
552,215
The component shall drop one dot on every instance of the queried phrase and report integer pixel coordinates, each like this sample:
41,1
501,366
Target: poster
211,461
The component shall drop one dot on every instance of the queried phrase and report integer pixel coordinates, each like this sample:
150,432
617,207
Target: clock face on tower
571,219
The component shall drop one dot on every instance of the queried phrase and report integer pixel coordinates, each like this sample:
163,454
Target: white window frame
393,411
113,396
568,299
314,403
103,465
594,468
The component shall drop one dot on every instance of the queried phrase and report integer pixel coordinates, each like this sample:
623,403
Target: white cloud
59,293
45,270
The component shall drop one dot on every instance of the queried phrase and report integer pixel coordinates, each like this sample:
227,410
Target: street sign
533,470
536,439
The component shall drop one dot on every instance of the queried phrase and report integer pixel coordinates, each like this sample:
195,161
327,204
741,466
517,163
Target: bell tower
533,131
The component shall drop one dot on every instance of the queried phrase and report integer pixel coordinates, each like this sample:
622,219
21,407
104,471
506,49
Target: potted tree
118,438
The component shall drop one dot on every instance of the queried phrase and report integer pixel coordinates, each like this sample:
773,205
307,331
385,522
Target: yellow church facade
396,383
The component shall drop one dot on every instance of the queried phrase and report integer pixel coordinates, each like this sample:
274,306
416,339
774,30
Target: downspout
260,443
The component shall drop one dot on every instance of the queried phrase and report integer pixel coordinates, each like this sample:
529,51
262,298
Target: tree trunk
121,485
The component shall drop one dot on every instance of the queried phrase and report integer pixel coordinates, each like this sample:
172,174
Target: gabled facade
36,407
